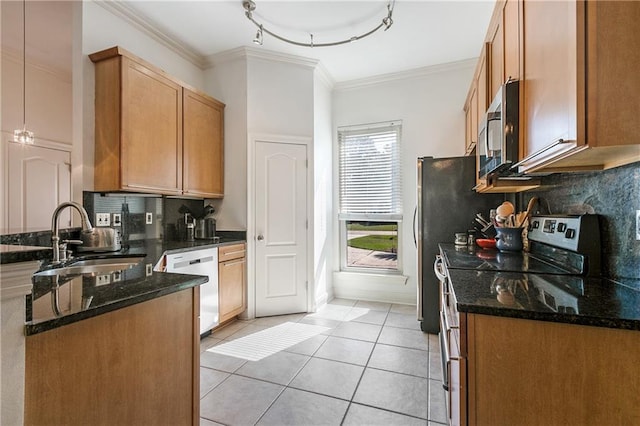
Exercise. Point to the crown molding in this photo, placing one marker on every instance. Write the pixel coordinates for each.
(121, 10)
(324, 77)
(258, 53)
(405, 75)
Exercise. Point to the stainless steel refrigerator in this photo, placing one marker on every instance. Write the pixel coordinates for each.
(446, 204)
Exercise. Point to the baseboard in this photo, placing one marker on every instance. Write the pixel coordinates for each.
(374, 288)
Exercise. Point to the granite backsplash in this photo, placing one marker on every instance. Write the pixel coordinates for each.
(613, 194)
(166, 213)
(133, 208)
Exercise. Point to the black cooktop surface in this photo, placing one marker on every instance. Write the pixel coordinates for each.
(464, 257)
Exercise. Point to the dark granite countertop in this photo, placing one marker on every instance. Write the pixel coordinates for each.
(79, 297)
(13, 253)
(569, 299)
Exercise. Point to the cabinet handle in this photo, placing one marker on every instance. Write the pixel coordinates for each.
(229, 253)
(537, 153)
(233, 263)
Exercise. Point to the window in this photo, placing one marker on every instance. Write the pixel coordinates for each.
(370, 196)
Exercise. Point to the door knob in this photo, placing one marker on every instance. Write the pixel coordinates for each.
(260, 237)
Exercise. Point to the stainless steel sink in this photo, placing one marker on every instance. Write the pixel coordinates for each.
(88, 266)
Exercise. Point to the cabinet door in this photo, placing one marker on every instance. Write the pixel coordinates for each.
(151, 141)
(203, 146)
(550, 77)
(482, 82)
(511, 22)
(496, 67)
(232, 288)
(482, 103)
(40, 180)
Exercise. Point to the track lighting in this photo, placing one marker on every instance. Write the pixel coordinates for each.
(250, 7)
(258, 38)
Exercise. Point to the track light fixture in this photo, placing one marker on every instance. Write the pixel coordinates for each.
(258, 37)
(250, 6)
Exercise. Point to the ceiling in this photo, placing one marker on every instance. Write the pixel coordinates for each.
(423, 33)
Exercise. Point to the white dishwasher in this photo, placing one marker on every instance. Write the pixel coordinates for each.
(200, 262)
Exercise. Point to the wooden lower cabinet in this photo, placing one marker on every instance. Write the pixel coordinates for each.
(138, 365)
(232, 283)
(529, 372)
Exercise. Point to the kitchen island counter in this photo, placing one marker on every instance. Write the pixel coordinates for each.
(88, 295)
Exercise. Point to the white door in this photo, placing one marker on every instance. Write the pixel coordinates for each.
(39, 180)
(281, 228)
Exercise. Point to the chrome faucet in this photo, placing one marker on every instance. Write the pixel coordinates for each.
(60, 249)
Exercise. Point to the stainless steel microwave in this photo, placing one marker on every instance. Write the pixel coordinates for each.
(497, 147)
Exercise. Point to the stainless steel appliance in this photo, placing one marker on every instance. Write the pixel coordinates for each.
(100, 239)
(446, 205)
(206, 227)
(200, 262)
(497, 147)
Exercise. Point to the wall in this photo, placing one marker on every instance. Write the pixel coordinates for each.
(322, 189)
(614, 195)
(227, 82)
(48, 106)
(429, 102)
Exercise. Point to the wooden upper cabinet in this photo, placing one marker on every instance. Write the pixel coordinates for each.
(496, 66)
(471, 120)
(504, 39)
(482, 94)
(550, 77)
(153, 134)
(581, 85)
(482, 81)
(203, 145)
(511, 33)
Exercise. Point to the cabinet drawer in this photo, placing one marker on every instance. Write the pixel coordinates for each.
(235, 251)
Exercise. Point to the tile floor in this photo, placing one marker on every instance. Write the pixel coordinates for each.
(351, 363)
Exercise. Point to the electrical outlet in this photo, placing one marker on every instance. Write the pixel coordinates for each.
(117, 219)
(149, 218)
(103, 279)
(117, 276)
(638, 225)
(103, 219)
(149, 269)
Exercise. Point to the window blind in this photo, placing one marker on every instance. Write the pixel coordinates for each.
(369, 169)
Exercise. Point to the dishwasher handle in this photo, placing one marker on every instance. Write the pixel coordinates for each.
(187, 263)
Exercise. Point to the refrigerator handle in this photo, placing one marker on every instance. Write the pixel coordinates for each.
(415, 217)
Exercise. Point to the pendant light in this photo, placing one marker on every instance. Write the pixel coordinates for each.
(23, 135)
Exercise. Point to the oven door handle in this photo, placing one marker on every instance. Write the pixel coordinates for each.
(438, 268)
(444, 353)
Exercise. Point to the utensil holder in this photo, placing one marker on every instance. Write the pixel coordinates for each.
(509, 239)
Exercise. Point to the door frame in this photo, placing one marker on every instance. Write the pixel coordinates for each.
(252, 140)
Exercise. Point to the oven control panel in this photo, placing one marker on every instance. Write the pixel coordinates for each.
(567, 232)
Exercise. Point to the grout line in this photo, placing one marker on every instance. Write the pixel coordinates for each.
(350, 401)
